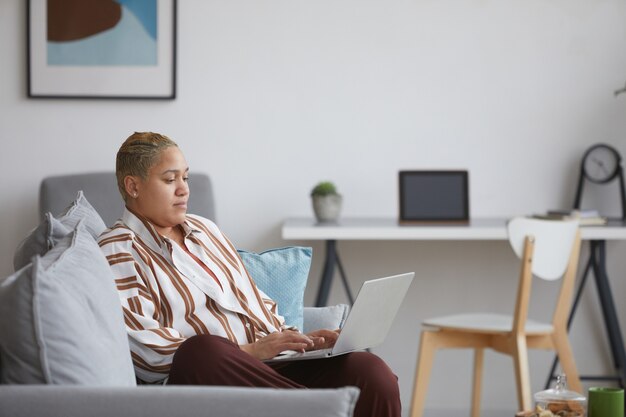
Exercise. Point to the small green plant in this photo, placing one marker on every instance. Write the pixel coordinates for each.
(324, 188)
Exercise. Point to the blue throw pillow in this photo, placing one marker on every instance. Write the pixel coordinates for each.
(281, 274)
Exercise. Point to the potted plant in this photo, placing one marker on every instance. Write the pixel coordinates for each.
(326, 202)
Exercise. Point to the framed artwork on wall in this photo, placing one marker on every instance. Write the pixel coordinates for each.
(113, 49)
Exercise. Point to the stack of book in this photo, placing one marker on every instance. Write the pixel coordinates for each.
(585, 217)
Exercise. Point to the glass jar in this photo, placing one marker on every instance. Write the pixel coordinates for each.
(559, 401)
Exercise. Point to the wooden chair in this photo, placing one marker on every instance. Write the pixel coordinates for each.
(547, 249)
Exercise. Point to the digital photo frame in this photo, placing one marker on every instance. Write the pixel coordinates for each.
(434, 196)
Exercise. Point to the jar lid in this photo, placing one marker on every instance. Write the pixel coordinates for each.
(559, 393)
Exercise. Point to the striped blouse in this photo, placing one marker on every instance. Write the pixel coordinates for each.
(169, 294)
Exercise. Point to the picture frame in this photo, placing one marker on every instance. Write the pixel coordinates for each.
(434, 196)
(125, 51)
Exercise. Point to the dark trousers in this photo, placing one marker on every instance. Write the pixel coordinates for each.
(214, 360)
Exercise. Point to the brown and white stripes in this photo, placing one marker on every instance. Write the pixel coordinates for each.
(169, 294)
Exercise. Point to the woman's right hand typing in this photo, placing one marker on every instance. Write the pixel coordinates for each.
(271, 345)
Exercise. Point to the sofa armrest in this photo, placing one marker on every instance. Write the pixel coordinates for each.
(330, 317)
(157, 401)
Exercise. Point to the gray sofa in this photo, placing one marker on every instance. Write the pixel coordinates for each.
(35, 382)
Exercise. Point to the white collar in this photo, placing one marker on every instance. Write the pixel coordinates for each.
(146, 231)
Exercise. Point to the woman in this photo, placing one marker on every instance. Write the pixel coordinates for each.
(193, 314)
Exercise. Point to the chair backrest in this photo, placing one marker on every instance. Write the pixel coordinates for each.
(100, 189)
(549, 249)
(553, 244)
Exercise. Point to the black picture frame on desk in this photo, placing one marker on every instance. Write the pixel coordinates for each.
(434, 196)
(123, 50)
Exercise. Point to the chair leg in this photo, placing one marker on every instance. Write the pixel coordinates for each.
(566, 359)
(479, 355)
(520, 359)
(422, 373)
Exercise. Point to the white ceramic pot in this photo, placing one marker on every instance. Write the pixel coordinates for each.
(327, 207)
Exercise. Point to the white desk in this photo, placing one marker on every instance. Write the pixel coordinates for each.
(388, 229)
(476, 230)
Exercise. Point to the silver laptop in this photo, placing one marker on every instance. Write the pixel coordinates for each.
(369, 320)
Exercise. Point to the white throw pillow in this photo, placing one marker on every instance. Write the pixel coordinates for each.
(61, 320)
(52, 229)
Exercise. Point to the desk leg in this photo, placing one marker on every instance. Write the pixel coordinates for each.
(327, 273)
(608, 308)
(597, 261)
(332, 259)
(344, 279)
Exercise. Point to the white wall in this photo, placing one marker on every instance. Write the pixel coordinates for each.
(274, 96)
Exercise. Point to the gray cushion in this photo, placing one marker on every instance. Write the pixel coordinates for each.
(39, 241)
(101, 190)
(188, 401)
(61, 320)
(45, 236)
(329, 317)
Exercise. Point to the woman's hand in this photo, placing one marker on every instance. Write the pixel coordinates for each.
(271, 345)
(323, 339)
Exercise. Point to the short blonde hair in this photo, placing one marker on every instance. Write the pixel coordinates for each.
(139, 153)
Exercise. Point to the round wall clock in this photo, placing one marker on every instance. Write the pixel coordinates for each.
(601, 163)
